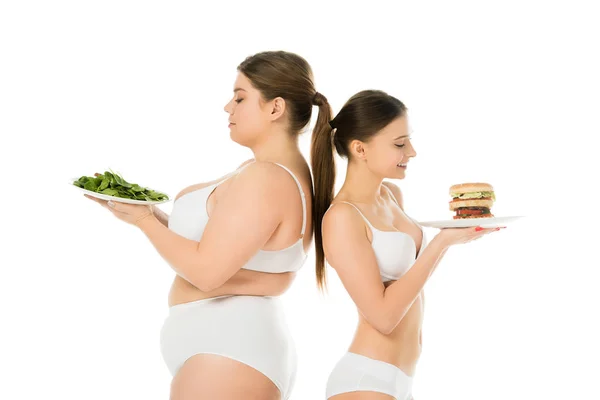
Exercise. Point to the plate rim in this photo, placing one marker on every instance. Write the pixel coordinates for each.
(476, 221)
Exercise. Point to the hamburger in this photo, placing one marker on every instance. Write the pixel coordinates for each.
(472, 200)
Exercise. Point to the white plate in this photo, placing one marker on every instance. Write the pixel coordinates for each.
(117, 199)
(491, 222)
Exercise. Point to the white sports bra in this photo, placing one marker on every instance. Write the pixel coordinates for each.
(189, 218)
(394, 250)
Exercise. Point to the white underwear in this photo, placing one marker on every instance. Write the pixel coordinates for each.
(357, 373)
(249, 329)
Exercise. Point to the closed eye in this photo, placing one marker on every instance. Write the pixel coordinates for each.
(399, 145)
(239, 101)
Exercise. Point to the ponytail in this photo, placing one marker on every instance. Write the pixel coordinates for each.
(323, 168)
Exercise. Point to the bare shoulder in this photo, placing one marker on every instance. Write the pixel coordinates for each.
(265, 172)
(345, 240)
(342, 219)
(396, 192)
(264, 179)
(198, 186)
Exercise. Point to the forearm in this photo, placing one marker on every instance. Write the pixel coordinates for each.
(435, 265)
(400, 295)
(161, 216)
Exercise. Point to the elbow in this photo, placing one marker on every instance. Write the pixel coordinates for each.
(382, 322)
(206, 282)
(387, 323)
(389, 316)
(199, 274)
(204, 286)
(385, 327)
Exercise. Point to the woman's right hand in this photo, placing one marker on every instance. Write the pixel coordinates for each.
(452, 236)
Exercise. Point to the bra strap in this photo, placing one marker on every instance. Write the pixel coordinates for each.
(391, 194)
(302, 196)
(360, 212)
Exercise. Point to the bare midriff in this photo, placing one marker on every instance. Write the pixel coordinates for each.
(402, 347)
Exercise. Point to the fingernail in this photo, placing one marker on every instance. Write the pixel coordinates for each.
(497, 229)
(110, 204)
(478, 229)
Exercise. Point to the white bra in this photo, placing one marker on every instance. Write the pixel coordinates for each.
(395, 251)
(189, 218)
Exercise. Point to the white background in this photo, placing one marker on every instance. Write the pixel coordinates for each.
(502, 92)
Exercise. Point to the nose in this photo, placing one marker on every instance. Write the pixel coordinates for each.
(411, 151)
(228, 109)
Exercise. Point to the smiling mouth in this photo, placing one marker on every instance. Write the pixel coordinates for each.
(402, 165)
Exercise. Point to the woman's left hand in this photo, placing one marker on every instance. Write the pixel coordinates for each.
(130, 213)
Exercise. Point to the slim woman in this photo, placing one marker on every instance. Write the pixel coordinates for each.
(380, 254)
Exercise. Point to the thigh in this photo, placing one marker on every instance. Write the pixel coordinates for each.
(362, 396)
(208, 376)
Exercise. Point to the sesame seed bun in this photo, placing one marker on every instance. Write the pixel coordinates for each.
(471, 187)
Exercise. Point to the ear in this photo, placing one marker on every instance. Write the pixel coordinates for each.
(276, 108)
(358, 149)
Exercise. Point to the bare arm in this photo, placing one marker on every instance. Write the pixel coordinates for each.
(253, 199)
(244, 282)
(161, 216)
(349, 251)
(249, 283)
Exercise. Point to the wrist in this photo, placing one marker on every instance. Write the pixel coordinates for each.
(439, 243)
(146, 221)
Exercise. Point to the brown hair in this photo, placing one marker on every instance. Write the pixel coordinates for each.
(361, 118)
(289, 76)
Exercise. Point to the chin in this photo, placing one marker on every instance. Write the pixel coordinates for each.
(392, 174)
(400, 173)
(242, 140)
(237, 138)
(234, 138)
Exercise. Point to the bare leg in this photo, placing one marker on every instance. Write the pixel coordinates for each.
(208, 376)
